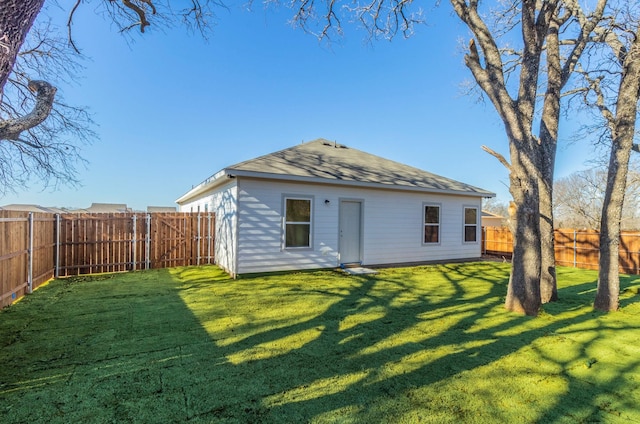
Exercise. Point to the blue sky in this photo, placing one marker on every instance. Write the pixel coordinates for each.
(173, 109)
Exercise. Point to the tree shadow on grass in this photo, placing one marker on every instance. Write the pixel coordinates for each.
(396, 350)
(425, 343)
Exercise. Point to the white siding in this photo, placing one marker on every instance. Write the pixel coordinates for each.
(392, 223)
(223, 202)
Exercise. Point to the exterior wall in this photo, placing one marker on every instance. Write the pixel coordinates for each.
(492, 221)
(223, 202)
(393, 226)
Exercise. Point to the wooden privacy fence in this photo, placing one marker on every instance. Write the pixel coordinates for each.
(35, 247)
(574, 248)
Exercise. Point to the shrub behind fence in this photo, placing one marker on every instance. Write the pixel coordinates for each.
(35, 247)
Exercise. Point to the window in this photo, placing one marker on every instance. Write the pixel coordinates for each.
(470, 225)
(297, 231)
(431, 224)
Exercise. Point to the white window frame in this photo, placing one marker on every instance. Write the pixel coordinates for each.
(465, 225)
(285, 222)
(425, 224)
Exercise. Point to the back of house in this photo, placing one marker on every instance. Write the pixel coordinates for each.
(323, 205)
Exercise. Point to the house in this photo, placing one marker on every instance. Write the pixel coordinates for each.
(321, 205)
(154, 209)
(107, 208)
(32, 208)
(492, 220)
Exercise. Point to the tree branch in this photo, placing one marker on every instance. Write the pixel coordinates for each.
(498, 156)
(70, 23)
(11, 129)
(141, 13)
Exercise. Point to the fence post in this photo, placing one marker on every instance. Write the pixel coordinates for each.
(575, 250)
(209, 240)
(133, 246)
(147, 248)
(484, 240)
(198, 242)
(57, 265)
(30, 254)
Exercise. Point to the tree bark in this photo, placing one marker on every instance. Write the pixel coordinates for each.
(523, 292)
(623, 130)
(16, 19)
(547, 157)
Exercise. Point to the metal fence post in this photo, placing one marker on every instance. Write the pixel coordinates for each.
(209, 240)
(198, 242)
(147, 249)
(30, 254)
(133, 246)
(57, 264)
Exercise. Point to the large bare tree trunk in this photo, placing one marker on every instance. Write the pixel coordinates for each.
(548, 281)
(623, 127)
(523, 292)
(16, 19)
(547, 157)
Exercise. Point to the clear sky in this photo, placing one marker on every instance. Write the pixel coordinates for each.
(173, 109)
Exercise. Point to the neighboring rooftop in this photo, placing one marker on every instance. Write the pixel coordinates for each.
(161, 209)
(105, 208)
(32, 208)
(94, 208)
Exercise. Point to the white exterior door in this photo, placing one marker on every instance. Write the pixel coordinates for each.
(350, 231)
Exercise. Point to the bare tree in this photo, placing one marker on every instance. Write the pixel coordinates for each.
(40, 134)
(614, 89)
(550, 38)
(50, 150)
(495, 206)
(579, 199)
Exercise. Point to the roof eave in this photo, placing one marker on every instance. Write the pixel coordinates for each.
(212, 182)
(320, 180)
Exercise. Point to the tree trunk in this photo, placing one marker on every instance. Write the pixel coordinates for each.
(548, 281)
(523, 293)
(623, 131)
(547, 156)
(16, 19)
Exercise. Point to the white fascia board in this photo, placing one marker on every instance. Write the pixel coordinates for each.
(208, 184)
(317, 180)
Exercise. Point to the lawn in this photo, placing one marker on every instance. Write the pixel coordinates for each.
(421, 344)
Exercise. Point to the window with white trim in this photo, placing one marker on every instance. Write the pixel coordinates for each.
(470, 225)
(431, 224)
(297, 223)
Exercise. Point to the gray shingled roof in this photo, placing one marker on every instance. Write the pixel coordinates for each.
(326, 160)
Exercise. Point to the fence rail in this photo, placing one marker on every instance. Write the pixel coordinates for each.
(35, 247)
(574, 248)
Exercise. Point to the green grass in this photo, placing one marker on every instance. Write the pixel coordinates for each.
(422, 344)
